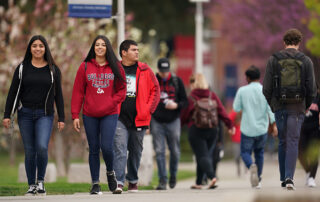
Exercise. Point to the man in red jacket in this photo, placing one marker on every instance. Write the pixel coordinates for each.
(143, 95)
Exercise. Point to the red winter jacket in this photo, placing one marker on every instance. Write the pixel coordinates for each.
(186, 114)
(94, 87)
(148, 94)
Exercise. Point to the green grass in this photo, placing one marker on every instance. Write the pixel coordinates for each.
(9, 185)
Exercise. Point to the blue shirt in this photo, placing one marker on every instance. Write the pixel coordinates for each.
(255, 110)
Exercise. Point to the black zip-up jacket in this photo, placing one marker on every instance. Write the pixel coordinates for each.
(54, 94)
(310, 85)
(168, 90)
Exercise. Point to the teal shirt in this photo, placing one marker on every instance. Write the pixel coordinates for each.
(255, 110)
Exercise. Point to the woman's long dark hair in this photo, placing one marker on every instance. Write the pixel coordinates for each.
(47, 54)
(110, 57)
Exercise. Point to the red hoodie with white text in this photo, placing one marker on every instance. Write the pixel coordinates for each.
(94, 88)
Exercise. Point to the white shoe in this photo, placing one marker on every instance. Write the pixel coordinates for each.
(258, 186)
(307, 178)
(311, 182)
(254, 175)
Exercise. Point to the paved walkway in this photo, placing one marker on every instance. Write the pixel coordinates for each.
(230, 188)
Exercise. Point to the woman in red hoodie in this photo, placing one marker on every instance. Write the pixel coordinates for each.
(101, 88)
(202, 139)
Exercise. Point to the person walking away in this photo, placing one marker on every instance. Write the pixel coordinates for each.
(289, 87)
(100, 87)
(165, 123)
(236, 139)
(255, 115)
(143, 94)
(309, 143)
(35, 87)
(202, 133)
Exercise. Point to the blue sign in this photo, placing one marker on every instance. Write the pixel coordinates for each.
(90, 8)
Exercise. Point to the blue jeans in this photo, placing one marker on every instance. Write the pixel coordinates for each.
(35, 129)
(100, 135)
(255, 144)
(170, 133)
(131, 140)
(289, 126)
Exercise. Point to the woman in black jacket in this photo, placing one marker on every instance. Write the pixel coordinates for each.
(35, 86)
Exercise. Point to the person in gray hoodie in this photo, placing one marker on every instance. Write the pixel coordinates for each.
(289, 95)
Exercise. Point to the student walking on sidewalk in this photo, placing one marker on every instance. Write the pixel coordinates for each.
(142, 98)
(35, 87)
(202, 139)
(289, 87)
(100, 87)
(165, 123)
(256, 113)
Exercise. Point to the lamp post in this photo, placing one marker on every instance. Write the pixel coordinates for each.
(199, 34)
(121, 22)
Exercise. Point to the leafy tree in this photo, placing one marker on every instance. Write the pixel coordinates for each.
(256, 27)
(313, 43)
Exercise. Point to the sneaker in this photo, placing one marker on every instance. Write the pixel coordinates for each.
(254, 179)
(290, 184)
(172, 182)
(133, 187)
(32, 190)
(258, 186)
(283, 184)
(307, 178)
(162, 186)
(311, 182)
(95, 189)
(118, 190)
(40, 188)
(112, 180)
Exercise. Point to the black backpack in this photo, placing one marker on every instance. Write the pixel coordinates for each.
(289, 78)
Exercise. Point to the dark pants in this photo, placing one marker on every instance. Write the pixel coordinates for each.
(35, 129)
(309, 149)
(100, 134)
(289, 127)
(201, 141)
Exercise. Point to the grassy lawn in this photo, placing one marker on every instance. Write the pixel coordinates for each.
(9, 185)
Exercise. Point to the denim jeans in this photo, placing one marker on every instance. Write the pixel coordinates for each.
(131, 140)
(100, 135)
(35, 129)
(170, 133)
(256, 145)
(289, 126)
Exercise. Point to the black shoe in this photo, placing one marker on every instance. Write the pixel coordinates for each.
(32, 190)
(95, 189)
(172, 182)
(40, 188)
(290, 184)
(162, 186)
(283, 184)
(112, 180)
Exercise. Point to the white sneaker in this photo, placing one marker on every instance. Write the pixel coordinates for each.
(254, 175)
(258, 186)
(307, 178)
(311, 182)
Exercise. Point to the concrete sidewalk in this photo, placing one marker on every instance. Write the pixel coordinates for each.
(230, 188)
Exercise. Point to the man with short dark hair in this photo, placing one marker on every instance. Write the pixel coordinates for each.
(165, 123)
(289, 87)
(256, 114)
(143, 94)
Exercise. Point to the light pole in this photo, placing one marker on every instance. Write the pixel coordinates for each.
(121, 22)
(199, 35)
